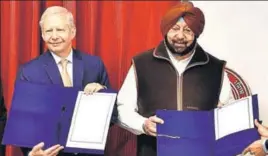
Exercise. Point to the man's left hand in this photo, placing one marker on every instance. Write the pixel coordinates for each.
(93, 87)
(256, 148)
(263, 131)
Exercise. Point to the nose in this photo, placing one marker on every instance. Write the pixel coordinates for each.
(54, 35)
(179, 35)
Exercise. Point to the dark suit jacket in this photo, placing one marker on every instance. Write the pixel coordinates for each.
(2, 119)
(86, 69)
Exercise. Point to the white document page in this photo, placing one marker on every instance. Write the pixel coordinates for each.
(91, 121)
(234, 117)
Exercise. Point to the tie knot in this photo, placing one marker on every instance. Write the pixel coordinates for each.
(64, 62)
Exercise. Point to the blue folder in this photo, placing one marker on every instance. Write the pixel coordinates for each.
(42, 113)
(192, 133)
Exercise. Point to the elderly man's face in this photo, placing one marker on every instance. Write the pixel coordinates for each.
(57, 33)
(180, 36)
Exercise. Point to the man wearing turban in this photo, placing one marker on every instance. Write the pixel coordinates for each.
(176, 75)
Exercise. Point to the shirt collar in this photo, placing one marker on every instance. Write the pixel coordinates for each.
(58, 59)
(172, 58)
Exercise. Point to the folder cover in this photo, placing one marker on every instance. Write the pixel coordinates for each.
(193, 133)
(42, 113)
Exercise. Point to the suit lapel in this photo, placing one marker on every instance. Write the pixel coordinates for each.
(52, 69)
(78, 69)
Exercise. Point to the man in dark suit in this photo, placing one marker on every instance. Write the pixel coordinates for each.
(62, 65)
(2, 119)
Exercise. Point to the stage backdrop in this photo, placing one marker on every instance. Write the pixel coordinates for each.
(237, 32)
(118, 30)
(113, 30)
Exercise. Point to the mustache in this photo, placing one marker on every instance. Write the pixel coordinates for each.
(179, 41)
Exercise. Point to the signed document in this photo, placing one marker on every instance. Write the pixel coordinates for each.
(91, 120)
(225, 121)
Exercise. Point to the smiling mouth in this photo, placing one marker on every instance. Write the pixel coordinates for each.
(55, 44)
(179, 45)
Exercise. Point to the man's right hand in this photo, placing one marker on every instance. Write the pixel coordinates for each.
(91, 88)
(38, 151)
(149, 125)
(255, 148)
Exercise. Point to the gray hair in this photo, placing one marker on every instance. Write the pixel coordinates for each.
(57, 10)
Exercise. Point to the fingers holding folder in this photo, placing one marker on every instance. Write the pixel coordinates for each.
(91, 88)
(38, 150)
(256, 148)
(262, 129)
(149, 125)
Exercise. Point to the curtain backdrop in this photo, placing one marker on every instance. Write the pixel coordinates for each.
(113, 30)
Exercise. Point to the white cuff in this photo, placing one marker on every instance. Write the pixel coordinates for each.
(264, 146)
(134, 125)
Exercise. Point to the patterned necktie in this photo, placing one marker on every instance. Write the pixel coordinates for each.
(64, 74)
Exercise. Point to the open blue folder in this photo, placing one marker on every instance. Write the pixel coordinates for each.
(192, 133)
(42, 113)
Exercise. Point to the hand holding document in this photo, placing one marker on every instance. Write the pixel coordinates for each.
(220, 132)
(57, 115)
